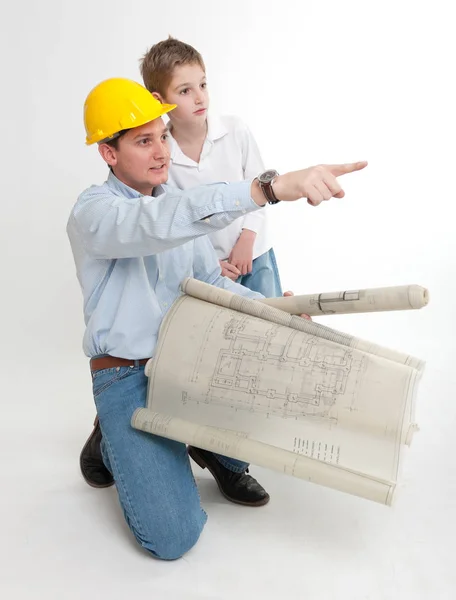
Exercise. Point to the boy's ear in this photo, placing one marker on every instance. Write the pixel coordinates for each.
(158, 97)
(108, 154)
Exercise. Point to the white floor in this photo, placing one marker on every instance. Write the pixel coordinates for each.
(63, 539)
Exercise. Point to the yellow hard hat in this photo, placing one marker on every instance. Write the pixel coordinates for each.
(117, 104)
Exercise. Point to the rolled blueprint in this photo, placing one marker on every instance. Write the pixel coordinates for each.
(403, 297)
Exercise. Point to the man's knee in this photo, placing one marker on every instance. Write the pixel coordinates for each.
(175, 538)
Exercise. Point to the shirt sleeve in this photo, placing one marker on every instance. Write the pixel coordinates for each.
(113, 226)
(206, 267)
(252, 165)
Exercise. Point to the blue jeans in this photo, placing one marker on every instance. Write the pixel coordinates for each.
(156, 487)
(264, 277)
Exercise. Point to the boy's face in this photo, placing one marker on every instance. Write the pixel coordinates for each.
(142, 157)
(188, 89)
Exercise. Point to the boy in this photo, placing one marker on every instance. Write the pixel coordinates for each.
(134, 240)
(206, 149)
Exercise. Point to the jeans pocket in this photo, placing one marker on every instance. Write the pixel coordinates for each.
(104, 378)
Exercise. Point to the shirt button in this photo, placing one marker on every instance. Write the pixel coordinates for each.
(237, 203)
(207, 220)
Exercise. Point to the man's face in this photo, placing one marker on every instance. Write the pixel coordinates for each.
(188, 89)
(142, 157)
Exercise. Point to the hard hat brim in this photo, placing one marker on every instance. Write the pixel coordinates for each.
(138, 122)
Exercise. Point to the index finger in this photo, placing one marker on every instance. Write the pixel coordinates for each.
(338, 170)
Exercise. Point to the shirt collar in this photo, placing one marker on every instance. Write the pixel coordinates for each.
(215, 131)
(126, 191)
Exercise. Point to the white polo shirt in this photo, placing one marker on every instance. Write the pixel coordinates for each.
(229, 154)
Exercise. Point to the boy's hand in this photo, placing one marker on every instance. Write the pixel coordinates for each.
(229, 270)
(242, 254)
(304, 316)
(315, 183)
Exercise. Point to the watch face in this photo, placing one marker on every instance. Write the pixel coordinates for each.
(267, 176)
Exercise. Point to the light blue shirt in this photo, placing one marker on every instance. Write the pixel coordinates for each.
(132, 252)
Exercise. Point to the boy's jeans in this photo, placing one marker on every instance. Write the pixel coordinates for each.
(156, 488)
(264, 277)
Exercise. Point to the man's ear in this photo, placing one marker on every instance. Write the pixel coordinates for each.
(158, 97)
(108, 154)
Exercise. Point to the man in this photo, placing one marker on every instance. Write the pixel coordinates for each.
(134, 240)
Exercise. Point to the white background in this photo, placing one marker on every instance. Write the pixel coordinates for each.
(324, 81)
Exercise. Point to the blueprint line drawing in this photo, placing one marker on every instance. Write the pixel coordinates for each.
(284, 378)
(240, 378)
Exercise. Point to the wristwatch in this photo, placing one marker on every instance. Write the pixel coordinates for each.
(265, 181)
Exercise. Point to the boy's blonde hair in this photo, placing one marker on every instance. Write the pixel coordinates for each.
(158, 64)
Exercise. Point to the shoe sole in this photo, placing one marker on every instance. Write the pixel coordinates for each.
(200, 462)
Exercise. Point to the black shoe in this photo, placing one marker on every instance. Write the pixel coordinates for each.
(91, 462)
(240, 488)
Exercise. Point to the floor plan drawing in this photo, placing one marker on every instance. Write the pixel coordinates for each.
(263, 369)
(253, 382)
